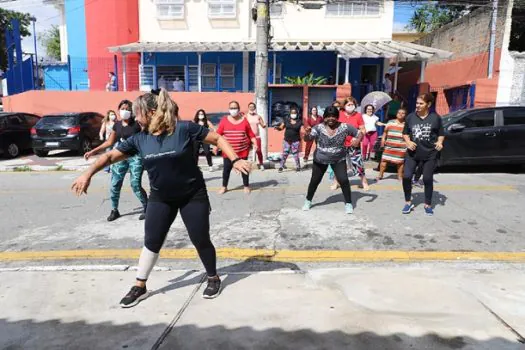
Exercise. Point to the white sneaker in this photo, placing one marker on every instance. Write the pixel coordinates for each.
(210, 169)
(261, 167)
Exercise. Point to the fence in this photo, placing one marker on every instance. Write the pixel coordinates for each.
(452, 99)
(92, 73)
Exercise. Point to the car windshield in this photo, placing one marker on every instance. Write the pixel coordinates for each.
(62, 120)
(452, 117)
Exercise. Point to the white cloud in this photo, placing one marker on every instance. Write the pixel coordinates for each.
(46, 16)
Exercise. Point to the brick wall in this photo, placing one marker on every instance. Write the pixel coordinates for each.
(469, 35)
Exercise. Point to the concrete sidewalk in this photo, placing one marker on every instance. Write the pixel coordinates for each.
(403, 307)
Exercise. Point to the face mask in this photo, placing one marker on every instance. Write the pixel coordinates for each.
(112, 117)
(125, 114)
(201, 117)
(293, 116)
(349, 109)
(234, 112)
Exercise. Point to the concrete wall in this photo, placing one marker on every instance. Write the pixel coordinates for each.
(468, 36)
(46, 102)
(296, 23)
(517, 96)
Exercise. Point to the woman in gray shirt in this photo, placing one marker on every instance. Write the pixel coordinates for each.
(330, 150)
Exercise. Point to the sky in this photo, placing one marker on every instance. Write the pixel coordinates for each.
(48, 15)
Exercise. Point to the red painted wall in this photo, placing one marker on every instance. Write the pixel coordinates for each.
(47, 102)
(111, 23)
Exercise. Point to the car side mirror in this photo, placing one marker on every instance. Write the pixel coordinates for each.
(457, 127)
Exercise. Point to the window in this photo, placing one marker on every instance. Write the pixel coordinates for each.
(31, 120)
(170, 9)
(482, 119)
(276, 10)
(209, 76)
(15, 120)
(514, 116)
(228, 76)
(222, 8)
(171, 78)
(353, 8)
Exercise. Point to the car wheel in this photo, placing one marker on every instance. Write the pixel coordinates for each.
(40, 152)
(12, 150)
(85, 146)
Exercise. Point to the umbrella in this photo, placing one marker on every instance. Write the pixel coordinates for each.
(376, 98)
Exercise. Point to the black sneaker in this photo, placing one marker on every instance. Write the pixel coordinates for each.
(142, 216)
(114, 215)
(280, 170)
(298, 169)
(134, 296)
(213, 289)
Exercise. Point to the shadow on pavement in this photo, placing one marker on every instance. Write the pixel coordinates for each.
(55, 334)
(234, 273)
(338, 198)
(438, 198)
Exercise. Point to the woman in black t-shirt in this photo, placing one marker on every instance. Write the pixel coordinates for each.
(292, 139)
(123, 129)
(176, 182)
(424, 136)
(201, 119)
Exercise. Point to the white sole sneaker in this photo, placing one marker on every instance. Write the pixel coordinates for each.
(138, 300)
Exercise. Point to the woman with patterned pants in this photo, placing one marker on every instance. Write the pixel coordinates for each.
(123, 129)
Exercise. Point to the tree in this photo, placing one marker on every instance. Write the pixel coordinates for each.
(50, 39)
(431, 16)
(5, 22)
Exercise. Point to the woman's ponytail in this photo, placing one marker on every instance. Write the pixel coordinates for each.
(166, 115)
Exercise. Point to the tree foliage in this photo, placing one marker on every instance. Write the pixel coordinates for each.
(5, 22)
(51, 41)
(432, 15)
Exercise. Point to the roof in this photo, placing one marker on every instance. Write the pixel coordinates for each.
(347, 49)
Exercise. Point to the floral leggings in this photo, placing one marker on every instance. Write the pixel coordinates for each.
(293, 148)
(118, 173)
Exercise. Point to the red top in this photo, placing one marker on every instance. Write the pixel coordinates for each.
(355, 119)
(237, 135)
(311, 123)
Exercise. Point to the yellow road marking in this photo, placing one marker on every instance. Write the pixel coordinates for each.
(266, 254)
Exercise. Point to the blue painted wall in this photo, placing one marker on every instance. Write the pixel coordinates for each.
(56, 77)
(297, 63)
(77, 44)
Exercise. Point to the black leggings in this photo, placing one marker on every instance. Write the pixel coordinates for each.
(318, 171)
(195, 213)
(207, 152)
(427, 167)
(227, 169)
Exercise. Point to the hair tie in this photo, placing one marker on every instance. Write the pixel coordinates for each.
(155, 92)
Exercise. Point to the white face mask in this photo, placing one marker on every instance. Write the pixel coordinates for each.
(350, 109)
(125, 114)
(234, 112)
(201, 117)
(293, 116)
(112, 117)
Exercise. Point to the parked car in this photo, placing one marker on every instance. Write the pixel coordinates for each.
(15, 133)
(484, 136)
(67, 131)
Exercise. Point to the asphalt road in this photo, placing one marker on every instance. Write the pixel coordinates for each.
(473, 212)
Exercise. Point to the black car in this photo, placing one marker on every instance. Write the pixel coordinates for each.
(67, 131)
(15, 133)
(484, 136)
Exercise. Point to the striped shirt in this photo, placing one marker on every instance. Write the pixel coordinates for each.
(238, 135)
(395, 147)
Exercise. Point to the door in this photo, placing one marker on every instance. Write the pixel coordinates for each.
(193, 78)
(18, 131)
(476, 143)
(513, 133)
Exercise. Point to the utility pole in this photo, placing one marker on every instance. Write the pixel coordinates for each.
(261, 69)
(493, 37)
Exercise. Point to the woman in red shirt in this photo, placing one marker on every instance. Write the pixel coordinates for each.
(353, 148)
(237, 131)
(312, 120)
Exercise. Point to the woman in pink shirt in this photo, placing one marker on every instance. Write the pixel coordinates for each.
(255, 121)
(237, 131)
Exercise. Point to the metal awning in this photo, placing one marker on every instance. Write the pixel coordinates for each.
(347, 49)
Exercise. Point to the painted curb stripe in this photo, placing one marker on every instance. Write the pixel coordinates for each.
(270, 255)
